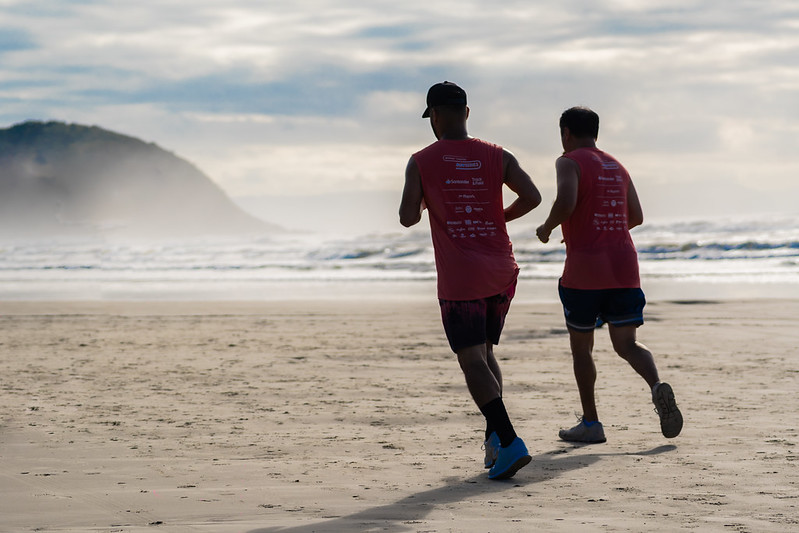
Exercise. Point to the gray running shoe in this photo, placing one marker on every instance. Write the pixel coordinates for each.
(491, 446)
(666, 408)
(593, 434)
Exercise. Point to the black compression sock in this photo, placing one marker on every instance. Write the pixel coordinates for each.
(497, 418)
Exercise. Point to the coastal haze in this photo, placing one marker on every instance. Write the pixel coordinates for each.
(281, 102)
(254, 144)
(67, 181)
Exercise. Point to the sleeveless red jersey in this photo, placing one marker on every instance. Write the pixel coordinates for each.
(462, 183)
(600, 253)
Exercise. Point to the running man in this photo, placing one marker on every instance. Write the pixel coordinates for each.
(459, 180)
(596, 206)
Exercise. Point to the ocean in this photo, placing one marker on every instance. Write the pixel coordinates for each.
(713, 257)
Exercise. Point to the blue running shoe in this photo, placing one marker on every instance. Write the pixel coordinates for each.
(510, 460)
(491, 446)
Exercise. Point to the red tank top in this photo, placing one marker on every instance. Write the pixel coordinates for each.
(600, 253)
(462, 183)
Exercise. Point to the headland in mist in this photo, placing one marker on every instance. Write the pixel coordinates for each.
(70, 180)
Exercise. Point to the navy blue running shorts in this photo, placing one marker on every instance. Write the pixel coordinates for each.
(584, 309)
(474, 322)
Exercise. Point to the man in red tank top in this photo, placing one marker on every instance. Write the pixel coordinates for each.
(459, 180)
(596, 205)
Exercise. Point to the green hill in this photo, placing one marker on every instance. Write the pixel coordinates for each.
(67, 179)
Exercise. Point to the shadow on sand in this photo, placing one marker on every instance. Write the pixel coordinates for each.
(400, 515)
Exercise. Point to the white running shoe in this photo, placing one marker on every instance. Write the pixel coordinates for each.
(593, 434)
(491, 446)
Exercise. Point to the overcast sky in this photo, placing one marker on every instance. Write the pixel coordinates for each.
(699, 99)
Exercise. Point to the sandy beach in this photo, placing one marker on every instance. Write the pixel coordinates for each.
(313, 415)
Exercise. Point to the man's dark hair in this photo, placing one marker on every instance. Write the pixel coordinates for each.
(581, 121)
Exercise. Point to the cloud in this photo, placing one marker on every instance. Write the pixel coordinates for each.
(15, 39)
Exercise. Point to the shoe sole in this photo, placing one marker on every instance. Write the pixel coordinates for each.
(582, 441)
(671, 417)
(515, 467)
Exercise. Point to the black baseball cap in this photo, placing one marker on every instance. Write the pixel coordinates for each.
(444, 93)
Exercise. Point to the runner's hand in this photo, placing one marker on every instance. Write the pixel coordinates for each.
(543, 233)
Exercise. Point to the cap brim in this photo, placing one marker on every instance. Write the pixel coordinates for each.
(426, 113)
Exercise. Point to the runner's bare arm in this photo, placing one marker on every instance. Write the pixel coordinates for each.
(635, 214)
(411, 207)
(519, 182)
(568, 178)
